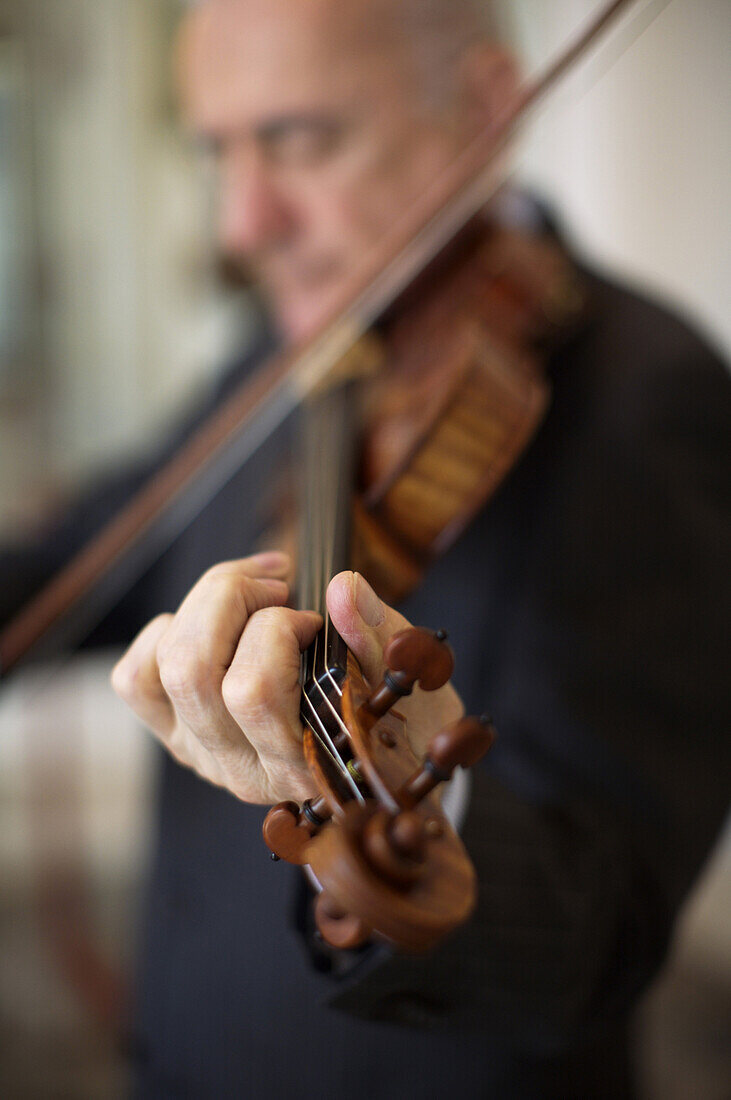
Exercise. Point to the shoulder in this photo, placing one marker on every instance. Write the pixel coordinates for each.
(632, 470)
(640, 368)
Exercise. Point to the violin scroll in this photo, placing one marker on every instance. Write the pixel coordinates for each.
(389, 863)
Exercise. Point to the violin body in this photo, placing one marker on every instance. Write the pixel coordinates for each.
(461, 393)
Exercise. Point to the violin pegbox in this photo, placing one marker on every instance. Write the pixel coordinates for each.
(389, 863)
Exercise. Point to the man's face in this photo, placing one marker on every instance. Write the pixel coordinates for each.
(322, 136)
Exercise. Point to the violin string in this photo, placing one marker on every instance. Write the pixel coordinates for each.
(341, 765)
(320, 732)
(324, 444)
(332, 515)
(316, 448)
(336, 443)
(324, 557)
(326, 742)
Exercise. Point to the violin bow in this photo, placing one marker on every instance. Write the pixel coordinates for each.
(62, 610)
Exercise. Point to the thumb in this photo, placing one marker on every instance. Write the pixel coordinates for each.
(364, 622)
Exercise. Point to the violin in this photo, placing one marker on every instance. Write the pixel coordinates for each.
(472, 310)
(386, 859)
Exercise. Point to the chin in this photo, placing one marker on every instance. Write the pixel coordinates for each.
(300, 320)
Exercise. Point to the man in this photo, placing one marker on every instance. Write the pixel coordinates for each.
(585, 606)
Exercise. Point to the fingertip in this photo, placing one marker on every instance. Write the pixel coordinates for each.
(313, 617)
(342, 605)
(264, 592)
(271, 561)
(277, 591)
(341, 592)
(309, 623)
(351, 599)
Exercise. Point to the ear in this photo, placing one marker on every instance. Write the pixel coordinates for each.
(490, 79)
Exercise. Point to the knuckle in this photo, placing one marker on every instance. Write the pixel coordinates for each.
(223, 574)
(248, 694)
(164, 650)
(162, 620)
(228, 586)
(135, 672)
(273, 622)
(217, 571)
(124, 677)
(183, 674)
(237, 693)
(157, 628)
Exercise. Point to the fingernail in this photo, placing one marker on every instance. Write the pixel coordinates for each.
(370, 608)
(271, 559)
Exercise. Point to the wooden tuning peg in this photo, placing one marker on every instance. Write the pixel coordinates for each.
(288, 829)
(412, 655)
(395, 846)
(462, 744)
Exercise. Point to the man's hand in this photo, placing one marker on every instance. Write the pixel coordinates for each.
(218, 682)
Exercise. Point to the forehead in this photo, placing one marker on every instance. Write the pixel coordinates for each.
(239, 59)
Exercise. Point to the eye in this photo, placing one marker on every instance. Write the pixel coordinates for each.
(302, 141)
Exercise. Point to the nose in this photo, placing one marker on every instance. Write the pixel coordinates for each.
(254, 213)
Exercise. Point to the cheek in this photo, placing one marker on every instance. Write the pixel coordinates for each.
(356, 211)
(349, 206)
(369, 201)
(342, 217)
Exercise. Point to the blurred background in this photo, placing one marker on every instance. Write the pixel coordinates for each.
(114, 313)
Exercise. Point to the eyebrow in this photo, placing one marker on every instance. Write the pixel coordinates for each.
(271, 130)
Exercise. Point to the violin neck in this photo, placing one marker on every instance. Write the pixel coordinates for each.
(327, 474)
(328, 444)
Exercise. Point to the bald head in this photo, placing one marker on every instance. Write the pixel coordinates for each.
(425, 39)
(328, 118)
